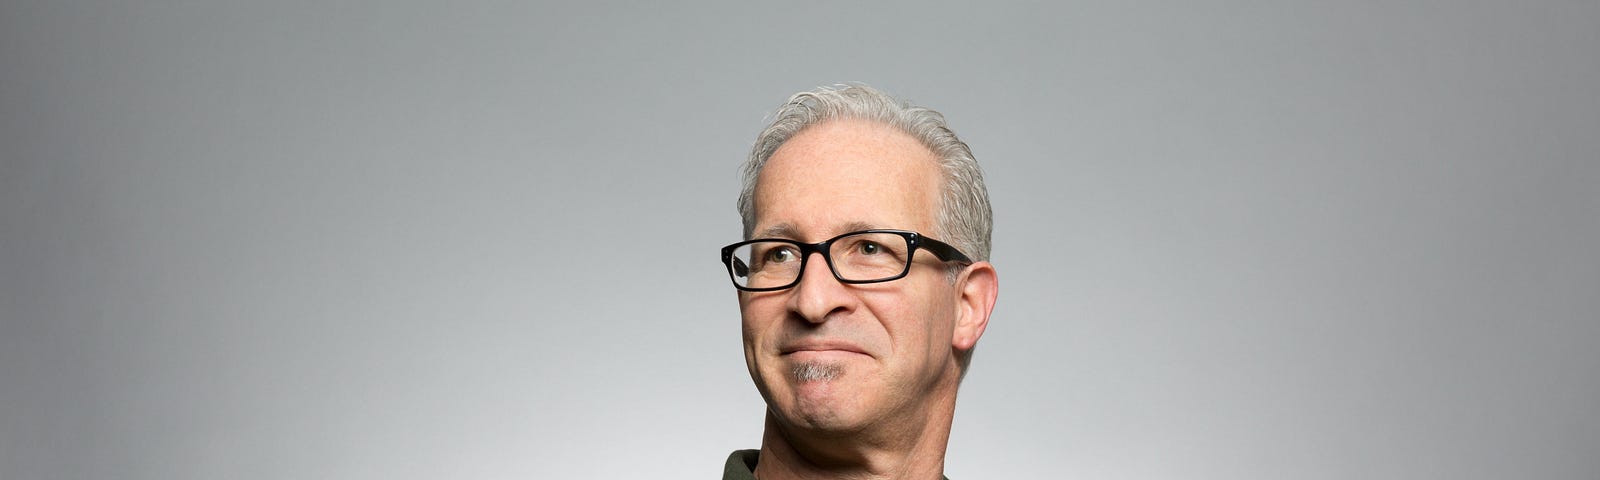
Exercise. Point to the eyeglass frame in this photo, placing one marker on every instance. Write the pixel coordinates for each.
(914, 241)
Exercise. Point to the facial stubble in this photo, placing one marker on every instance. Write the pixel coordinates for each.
(816, 372)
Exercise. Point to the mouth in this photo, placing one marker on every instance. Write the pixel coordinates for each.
(821, 348)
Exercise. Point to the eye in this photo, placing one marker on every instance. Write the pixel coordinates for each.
(870, 248)
(780, 255)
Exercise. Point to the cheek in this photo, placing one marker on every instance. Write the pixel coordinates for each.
(757, 314)
(903, 323)
(917, 324)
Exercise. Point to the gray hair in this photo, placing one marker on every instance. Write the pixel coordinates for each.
(964, 218)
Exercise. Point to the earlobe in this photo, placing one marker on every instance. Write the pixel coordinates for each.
(978, 288)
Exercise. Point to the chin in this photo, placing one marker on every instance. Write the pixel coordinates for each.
(825, 406)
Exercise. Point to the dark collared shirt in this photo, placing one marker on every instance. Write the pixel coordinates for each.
(741, 465)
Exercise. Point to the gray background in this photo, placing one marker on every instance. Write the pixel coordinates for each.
(1236, 240)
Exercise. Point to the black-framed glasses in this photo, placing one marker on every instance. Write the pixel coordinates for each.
(867, 256)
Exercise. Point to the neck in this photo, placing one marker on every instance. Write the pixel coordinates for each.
(913, 448)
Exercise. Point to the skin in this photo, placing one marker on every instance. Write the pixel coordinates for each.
(887, 414)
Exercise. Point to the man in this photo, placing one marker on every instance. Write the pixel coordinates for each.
(864, 287)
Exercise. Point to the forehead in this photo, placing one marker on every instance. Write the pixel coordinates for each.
(843, 174)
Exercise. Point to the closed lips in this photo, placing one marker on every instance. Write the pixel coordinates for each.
(822, 347)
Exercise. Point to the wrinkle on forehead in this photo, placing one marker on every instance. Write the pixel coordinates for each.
(789, 231)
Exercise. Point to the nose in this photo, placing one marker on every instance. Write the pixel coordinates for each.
(819, 295)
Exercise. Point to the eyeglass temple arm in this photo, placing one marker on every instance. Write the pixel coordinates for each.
(942, 250)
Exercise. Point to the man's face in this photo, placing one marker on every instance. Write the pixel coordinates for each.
(836, 357)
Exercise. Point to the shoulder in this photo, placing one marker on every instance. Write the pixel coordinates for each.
(741, 465)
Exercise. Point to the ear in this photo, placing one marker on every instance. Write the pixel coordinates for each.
(978, 288)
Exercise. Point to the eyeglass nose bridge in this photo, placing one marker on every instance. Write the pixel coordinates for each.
(824, 249)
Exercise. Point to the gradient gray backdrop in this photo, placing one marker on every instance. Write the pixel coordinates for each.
(1301, 240)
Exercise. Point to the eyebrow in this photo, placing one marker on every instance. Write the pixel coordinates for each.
(782, 230)
(789, 231)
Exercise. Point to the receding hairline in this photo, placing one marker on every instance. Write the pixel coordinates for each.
(930, 163)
